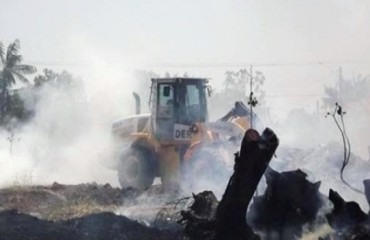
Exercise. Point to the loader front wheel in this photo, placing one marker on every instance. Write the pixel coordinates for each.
(136, 169)
(206, 169)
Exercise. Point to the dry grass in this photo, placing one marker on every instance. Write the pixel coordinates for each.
(61, 203)
(23, 180)
(321, 231)
(73, 209)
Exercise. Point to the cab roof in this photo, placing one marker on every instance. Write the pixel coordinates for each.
(179, 78)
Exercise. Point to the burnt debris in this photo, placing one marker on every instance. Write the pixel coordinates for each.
(289, 202)
(344, 214)
(367, 190)
(347, 218)
(229, 219)
(199, 219)
(16, 226)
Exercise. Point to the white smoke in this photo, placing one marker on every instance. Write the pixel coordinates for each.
(68, 139)
(314, 144)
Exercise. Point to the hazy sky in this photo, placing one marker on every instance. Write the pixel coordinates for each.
(204, 38)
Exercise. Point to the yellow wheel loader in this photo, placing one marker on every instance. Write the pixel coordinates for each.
(175, 135)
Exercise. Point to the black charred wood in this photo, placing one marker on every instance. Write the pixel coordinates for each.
(289, 202)
(199, 220)
(344, 214)
(207, 219)
(255, 154)
(367, 190)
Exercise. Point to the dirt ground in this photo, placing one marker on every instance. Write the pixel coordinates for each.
(84, 211)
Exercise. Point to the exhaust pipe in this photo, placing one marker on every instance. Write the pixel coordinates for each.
(137, 103)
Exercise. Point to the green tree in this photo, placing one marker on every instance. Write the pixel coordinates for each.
(11, 71)
(348, 91)
(49, 76)
(237, 84)
(230, 80)
(236, 87)
(12, 68)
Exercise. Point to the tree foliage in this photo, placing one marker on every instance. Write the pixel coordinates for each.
(347, 91)
(21, 103)
(12, 68)
(51, 78)
(11, 71)
(238, 82)
(236, 87)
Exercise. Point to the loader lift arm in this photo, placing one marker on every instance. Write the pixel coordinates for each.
(239, 110)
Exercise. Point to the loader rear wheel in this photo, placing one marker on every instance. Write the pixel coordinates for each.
(136, 169)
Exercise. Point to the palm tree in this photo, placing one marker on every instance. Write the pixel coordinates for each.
(11, 70)
(11, 67)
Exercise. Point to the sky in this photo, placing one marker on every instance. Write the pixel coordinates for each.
(298, 45)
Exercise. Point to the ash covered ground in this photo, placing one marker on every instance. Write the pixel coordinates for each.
(97, 211)
(84, 211)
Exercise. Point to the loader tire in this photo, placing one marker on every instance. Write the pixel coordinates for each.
(206, 168)
(136, 169)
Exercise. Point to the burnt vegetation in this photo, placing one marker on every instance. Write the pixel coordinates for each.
(289, 206)
(289, 202)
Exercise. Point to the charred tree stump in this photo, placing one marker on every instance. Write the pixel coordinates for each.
(255, 154)
(367, 190)
(206, 219)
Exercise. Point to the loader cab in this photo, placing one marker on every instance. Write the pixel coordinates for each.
(176, 104)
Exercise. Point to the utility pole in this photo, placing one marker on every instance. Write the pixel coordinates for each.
(252, 102)
(340, 85)
(11, 140)
(251, 94)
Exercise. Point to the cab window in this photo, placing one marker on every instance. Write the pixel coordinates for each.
(166, 100)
